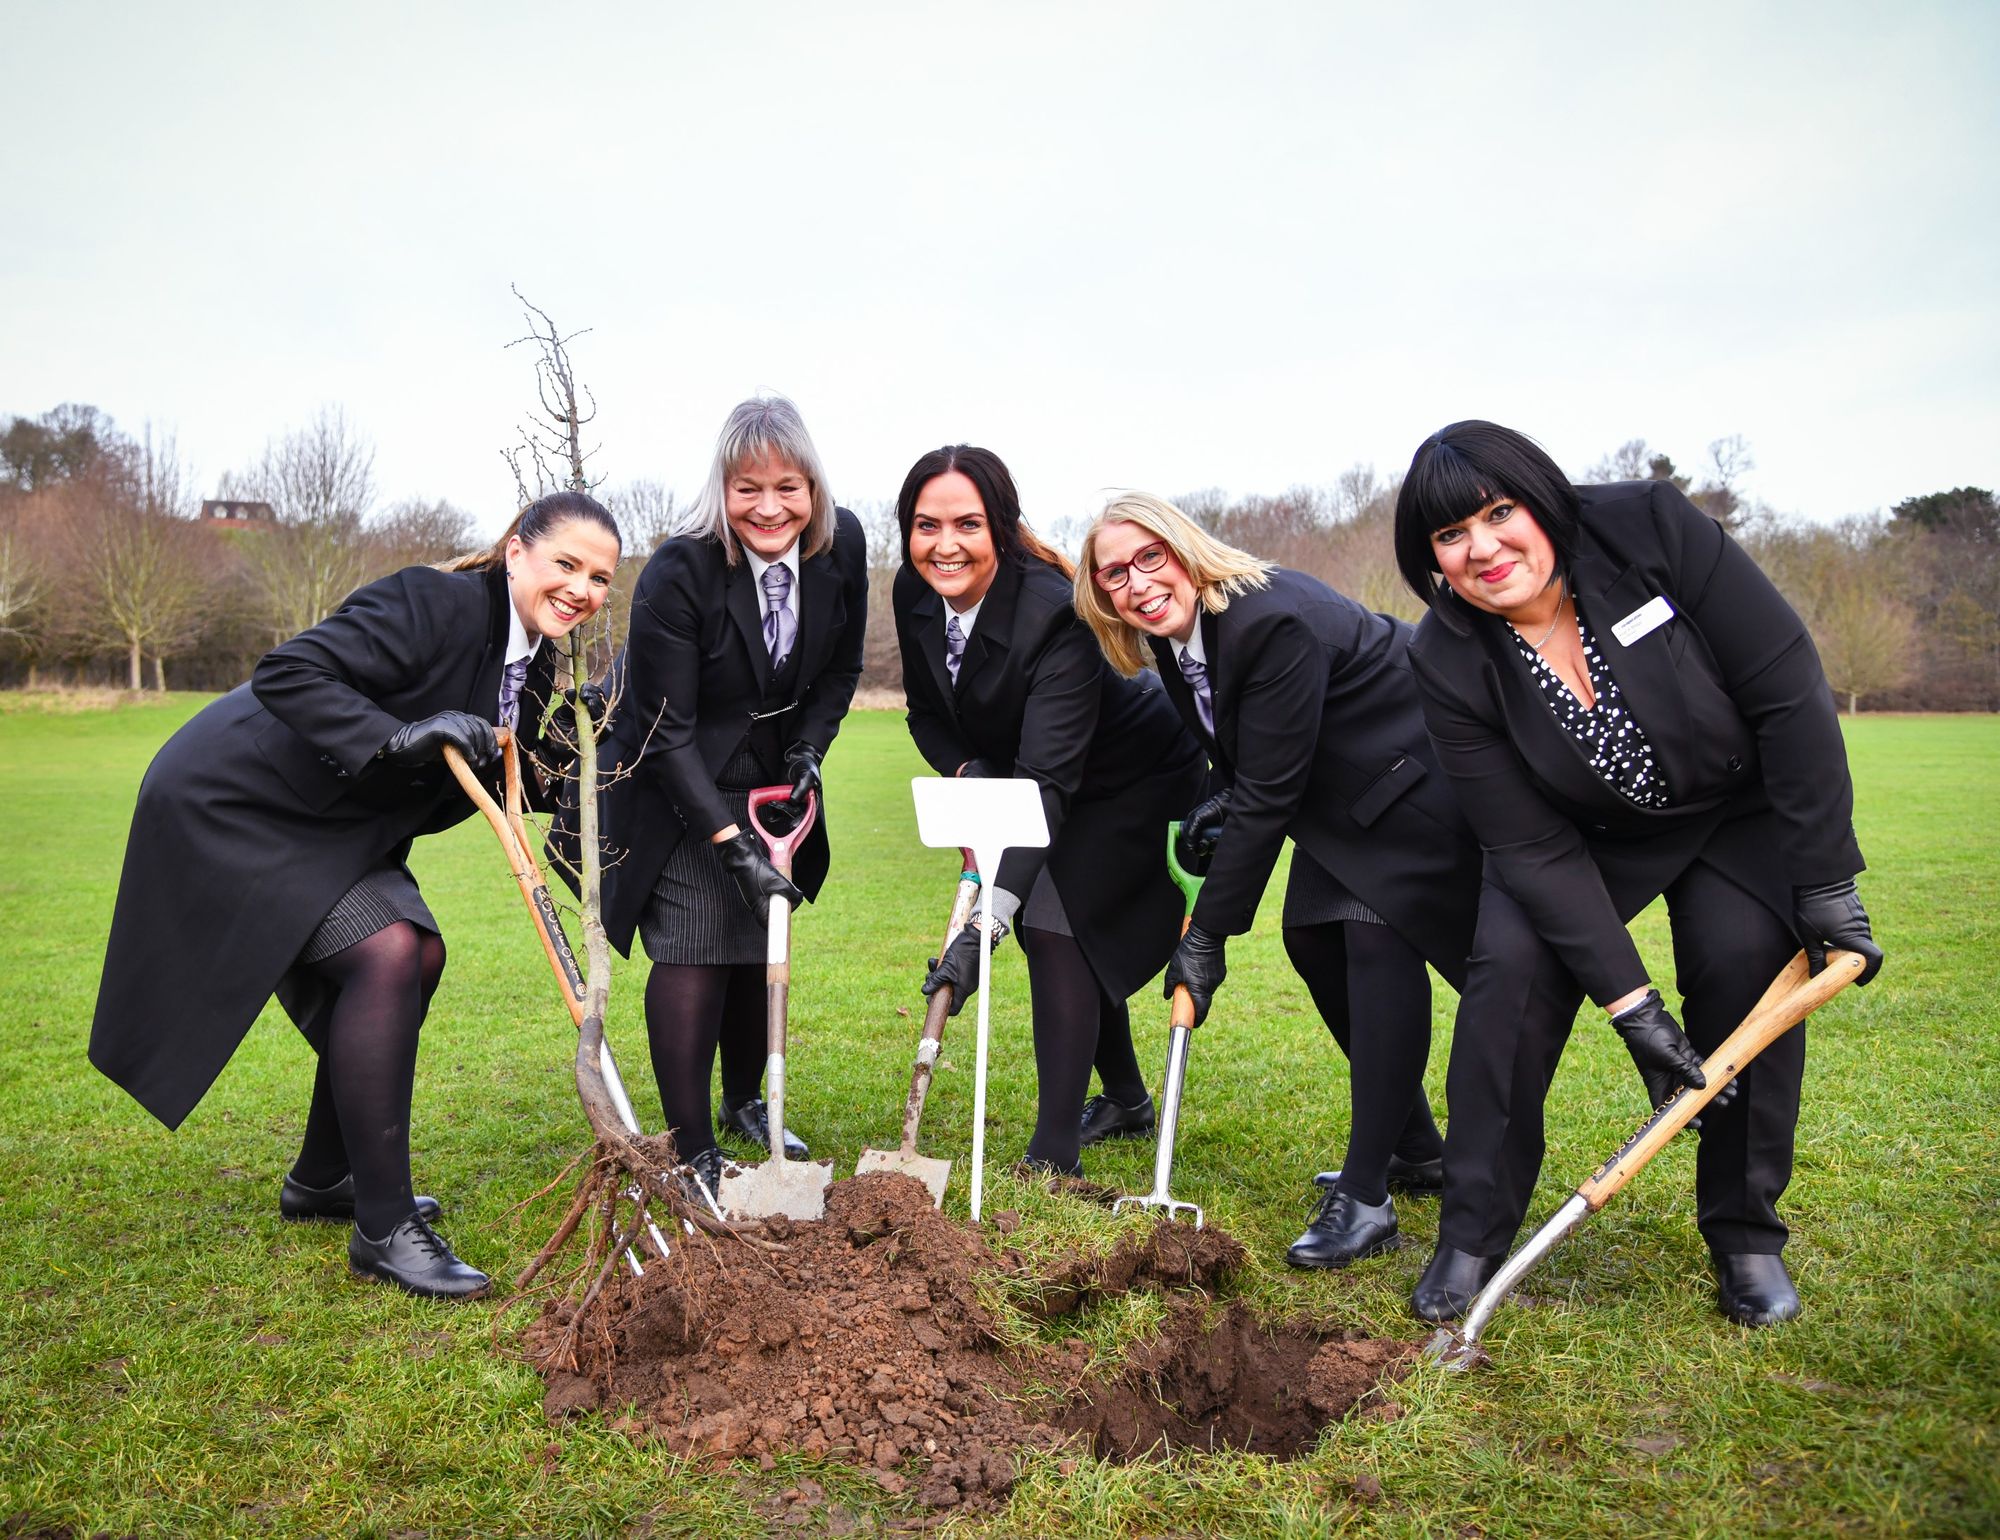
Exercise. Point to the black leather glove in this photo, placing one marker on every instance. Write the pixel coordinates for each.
(1666, 1059)
(1198, 963)
(422, 743)
(1831, 916)
(802, 770)
(562, 721)
(757, 880)
(959, 967)
(1194, 844)
(975, 770)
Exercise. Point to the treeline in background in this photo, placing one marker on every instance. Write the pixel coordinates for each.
(110, 575)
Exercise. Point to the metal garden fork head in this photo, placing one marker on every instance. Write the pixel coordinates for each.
(1180, 1036)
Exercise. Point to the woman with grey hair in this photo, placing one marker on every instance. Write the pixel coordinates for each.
(744, 651)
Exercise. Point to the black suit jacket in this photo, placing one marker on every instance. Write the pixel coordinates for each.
(1035, 698)
(1730, 694)
(264, 809)
(696, 672)
(1317, 728)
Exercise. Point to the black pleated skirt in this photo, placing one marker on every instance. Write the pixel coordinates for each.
(377, 901)
(694, 915)
(1314, 896)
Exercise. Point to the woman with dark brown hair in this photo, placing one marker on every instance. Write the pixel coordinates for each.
(268, 854)
(1002, 679)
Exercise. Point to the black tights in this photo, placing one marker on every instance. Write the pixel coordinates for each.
(1367, 974)
(1076, 1024)
(689, 1008)
(366, 1038)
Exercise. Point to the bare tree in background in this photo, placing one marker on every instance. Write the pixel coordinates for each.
(1719, 494)
(415, 532)
(320, 483)
(143, 570)
(646, 513)
(22, 576)
(1850, 583)
(1630, 461)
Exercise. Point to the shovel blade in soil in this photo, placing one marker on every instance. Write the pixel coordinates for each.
(794, 1188)
(931, 1172)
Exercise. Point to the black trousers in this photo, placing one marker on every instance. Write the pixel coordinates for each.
(1515, 1017)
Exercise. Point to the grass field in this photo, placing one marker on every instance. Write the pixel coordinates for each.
(178, 1361)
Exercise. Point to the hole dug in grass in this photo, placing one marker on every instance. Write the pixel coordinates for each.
(865, 1341)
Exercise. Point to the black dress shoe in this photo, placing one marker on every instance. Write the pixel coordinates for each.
(1450, 1282)
(1753, 1288)
(707, 1165)
(1345, 1231)
(1104, 1118)
(298, 1201)
(1419, 1178)
(752, 1121)
(415, 1258)
(1033, 1166)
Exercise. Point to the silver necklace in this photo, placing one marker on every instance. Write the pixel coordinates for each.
(1561, 600)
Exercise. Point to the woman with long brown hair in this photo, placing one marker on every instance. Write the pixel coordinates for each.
(268, 854)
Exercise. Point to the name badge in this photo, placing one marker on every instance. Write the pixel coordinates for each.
(1649, 616)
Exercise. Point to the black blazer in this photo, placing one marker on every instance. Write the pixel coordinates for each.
(1317, 728)
(696, 673)
(264, 809)
(1035, 698)
(1729, 692)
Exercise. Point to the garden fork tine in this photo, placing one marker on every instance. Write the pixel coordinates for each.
(1180, 1036)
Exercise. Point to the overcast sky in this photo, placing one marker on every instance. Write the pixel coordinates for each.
(1154, 245)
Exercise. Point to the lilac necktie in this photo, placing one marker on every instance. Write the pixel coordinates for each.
(781, 627)
(1196, 673)
(954, 645)
(512, 677)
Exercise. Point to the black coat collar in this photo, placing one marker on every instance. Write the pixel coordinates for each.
(991, 640)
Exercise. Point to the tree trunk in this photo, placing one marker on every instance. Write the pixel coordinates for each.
(1853, 703)
(159, 673)
(34, 676)
(138, 670)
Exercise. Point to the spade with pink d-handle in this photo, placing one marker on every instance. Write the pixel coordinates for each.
(988, 817)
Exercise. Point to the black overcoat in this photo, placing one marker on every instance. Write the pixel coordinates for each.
(696, 674)
(1317, 727)
(1730, 693)
(269, 805)
(1035, 698)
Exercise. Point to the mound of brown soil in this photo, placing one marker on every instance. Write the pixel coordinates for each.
(864, 1341)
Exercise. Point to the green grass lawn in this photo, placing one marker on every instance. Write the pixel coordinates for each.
(178, 1361)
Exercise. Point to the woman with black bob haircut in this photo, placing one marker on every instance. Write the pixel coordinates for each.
(1627, 708)
(268, 855)
(742, 657)
(1002, 679)
(1304, 702)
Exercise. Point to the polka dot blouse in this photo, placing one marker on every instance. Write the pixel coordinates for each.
(1609, 735)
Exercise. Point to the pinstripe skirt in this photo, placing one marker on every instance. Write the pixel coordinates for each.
(377, 901)
(1314, 896)
(695, 915)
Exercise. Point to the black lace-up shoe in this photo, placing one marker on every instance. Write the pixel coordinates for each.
(752, 1121)
(705, 1166)
(1345, 1231)
(1419, 1178)
(1450, 1283)
(1753, 1288)
(415, 1258)
(1032, 1167)
(1104, 1119)
(298, 1201)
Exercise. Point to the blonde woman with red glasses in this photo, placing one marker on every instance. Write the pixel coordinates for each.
(1304, 702)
